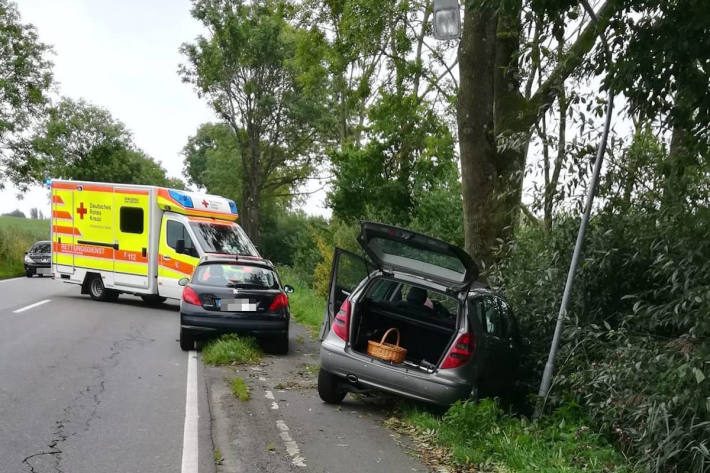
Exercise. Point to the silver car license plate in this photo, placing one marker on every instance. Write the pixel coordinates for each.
(237, 305)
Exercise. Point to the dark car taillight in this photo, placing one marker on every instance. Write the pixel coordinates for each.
(461, 351)
(190, 296)
(341, 324)
(279, 302)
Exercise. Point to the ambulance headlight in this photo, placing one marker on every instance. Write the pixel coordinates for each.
(182, 199)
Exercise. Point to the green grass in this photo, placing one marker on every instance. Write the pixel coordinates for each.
(16, 237)
(482, 435)
(306, 307)
(240, 389)
(231, 349)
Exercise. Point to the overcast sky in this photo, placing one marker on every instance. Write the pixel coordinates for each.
(123, 56)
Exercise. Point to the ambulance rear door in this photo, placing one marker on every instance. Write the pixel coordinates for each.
(63, 230)
(132, 230)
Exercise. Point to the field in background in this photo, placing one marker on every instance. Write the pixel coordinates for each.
(16, 237)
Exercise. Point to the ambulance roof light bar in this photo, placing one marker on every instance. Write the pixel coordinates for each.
(182, 199)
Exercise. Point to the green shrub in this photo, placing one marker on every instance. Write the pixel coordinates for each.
(634, 352)
(231, 349)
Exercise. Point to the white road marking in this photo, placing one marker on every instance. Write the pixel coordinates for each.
(11, 279)
(269, 395)
(189, 442)
(291, 445)
(31, 306)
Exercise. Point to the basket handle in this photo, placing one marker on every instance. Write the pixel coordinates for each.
(387, 333)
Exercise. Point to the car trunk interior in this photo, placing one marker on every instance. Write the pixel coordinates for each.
(425, 335)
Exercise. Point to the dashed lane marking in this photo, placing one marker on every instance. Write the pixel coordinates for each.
(270, 396)
(31, 306)
(291, 445)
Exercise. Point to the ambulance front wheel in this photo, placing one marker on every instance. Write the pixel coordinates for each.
(98, 292)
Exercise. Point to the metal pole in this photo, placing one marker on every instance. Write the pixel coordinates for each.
(546, 382)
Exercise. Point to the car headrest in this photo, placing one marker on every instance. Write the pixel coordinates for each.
(416, 295)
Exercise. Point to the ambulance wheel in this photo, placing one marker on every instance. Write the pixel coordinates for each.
(152, 299)
(98, 292)
(187, 340)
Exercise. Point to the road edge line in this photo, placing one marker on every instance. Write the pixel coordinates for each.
(190, 437)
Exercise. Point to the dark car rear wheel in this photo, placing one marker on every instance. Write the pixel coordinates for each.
(187, 340)
(279, 345)
(98, 292)
(330, 388)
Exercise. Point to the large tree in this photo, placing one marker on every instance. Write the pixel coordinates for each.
(264, 77)
(498, 106)
(84, 142)
(25, 79)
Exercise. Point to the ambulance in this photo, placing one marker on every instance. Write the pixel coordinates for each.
(142, 240)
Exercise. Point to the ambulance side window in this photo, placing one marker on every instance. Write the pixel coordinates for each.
(131, 220)
(176, 231)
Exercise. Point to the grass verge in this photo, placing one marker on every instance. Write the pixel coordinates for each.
(484, 437)
(240, 389)
(231, 349)
(306, 306)
(16, 236)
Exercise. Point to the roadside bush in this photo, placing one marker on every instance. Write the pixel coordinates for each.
(635, 350)
(307, 307)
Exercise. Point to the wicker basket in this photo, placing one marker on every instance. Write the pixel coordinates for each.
(387, 351)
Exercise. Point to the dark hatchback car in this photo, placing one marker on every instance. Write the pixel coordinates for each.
(38, 259)
(240, 295)
(461, 337)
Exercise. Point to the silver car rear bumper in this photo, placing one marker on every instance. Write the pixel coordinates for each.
(437, 388)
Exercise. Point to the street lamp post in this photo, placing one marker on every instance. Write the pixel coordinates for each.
(447, 19)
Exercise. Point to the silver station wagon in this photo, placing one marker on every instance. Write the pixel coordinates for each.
(459, 336)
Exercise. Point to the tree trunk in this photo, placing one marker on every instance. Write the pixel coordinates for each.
(476, 133)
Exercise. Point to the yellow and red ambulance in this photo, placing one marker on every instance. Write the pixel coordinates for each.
(124, 238)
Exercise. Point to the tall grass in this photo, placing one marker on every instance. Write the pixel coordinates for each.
(306, 306)
(231, 349)
(482, 435)
(16, 236)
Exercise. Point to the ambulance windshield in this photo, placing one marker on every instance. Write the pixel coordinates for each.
(225, 238)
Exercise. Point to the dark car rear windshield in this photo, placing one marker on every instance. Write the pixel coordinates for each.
(223, 238)
(42, 247)
(235, 275)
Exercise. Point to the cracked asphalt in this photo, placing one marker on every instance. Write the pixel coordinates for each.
(90, 386)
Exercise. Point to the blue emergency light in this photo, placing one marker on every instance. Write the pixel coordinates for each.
(233, 207)
(182, 199)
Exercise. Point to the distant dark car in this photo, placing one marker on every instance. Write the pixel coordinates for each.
(242, 295)
(461, 337)
(38, 259)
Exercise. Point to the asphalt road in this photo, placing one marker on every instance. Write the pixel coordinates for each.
(94, 387)
(90, 386)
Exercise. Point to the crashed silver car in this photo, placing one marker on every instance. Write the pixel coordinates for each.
(459, 336)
